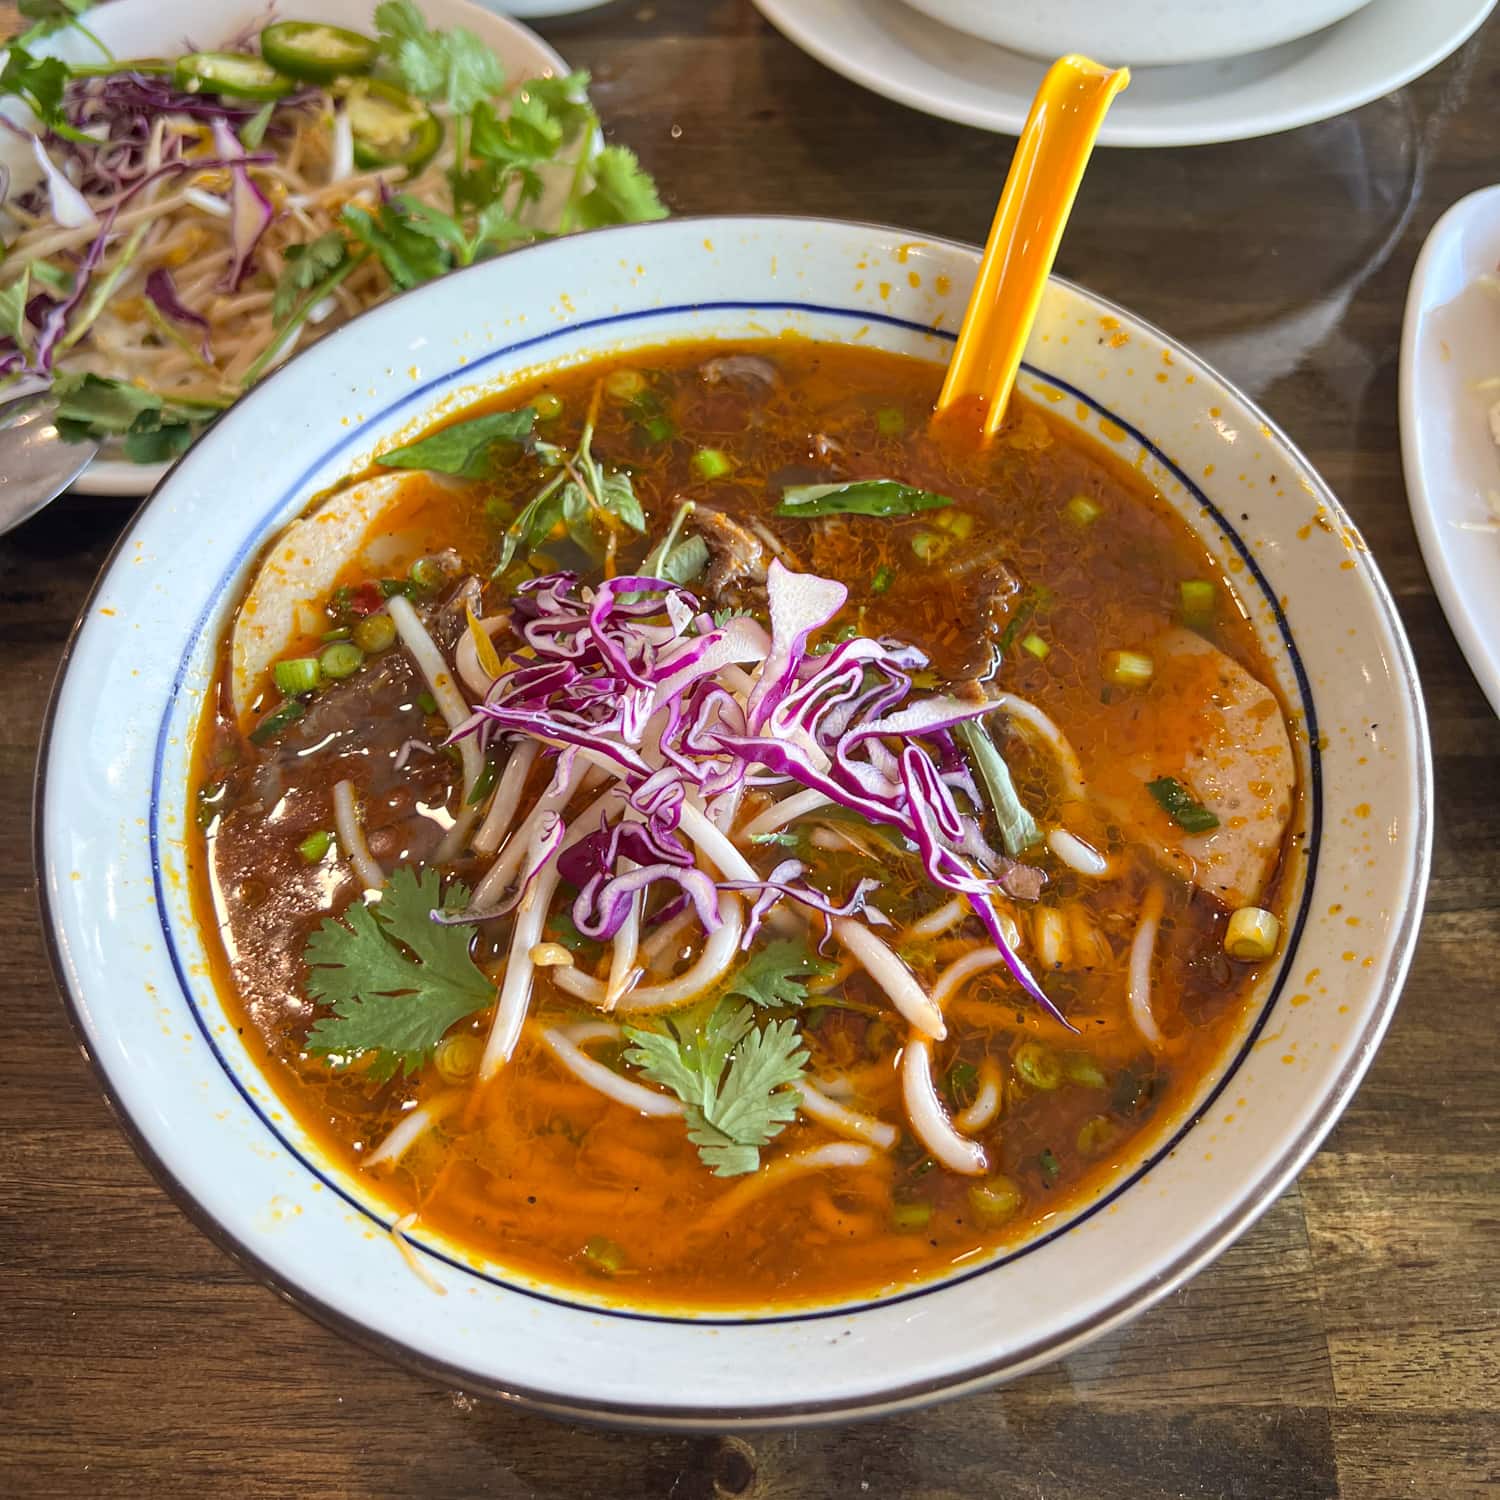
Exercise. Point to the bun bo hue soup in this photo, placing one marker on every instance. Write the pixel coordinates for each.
(691, 830)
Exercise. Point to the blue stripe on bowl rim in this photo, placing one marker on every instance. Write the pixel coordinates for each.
(466, 373)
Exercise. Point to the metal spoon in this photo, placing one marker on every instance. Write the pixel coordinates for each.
(36, 465)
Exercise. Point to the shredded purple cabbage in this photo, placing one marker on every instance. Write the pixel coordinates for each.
(629, 673)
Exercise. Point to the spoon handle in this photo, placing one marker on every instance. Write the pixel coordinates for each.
(1053, 150)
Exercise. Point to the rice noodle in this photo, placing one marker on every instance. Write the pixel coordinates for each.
(975, 961)
(564, 1044)
(787, 810)
(987, 1100)
(1077, 855)
(892, 975)
(412, 1127)
(816, 1105)
(451, 703)
(506, 798)
(837, 1155)
(929, 1120)
(346, 822)
(1028, 714)
(1142, 952)
(719, 952)
(935, 923)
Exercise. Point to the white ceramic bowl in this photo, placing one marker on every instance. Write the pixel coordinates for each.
(114, 810)
(1139, 32)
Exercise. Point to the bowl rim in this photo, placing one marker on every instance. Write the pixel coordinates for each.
(1269, 1182)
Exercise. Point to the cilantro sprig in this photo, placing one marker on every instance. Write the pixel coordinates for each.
(737, 1080)
(396, 979)
(778, 973)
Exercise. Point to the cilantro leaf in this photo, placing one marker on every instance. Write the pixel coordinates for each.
(396, 979)
(736, 1080)
(465, 448)
(623, 192)
(453, 67)
(409, 256)
(152, 425)
(566, 99)
(39, 82)
(306, 266)
(49, 16)
(771, 977)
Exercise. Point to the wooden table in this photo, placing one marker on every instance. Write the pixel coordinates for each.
(1348, 1346)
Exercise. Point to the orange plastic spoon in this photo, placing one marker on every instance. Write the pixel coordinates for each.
(1044, 175)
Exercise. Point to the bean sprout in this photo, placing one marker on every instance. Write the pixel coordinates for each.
(346, 822)
(1142, 952)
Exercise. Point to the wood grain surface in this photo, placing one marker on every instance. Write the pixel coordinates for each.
(1348, 1346)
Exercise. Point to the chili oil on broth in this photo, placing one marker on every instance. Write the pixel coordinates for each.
(534, 1170)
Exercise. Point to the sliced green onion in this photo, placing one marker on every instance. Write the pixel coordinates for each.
(457, 1057)
(390, 587)
(426, 702)
(315, 846)
(547, 405)
(297, 675)
(712, 463)
(277, 720)
(375, 633)
(1081, 1068)
(428, 574)
(1253, 934)
(660, 429)
(1037, 647)
(961, 1079)
(1082, 511)
(908, 1218)
(1038, 1067)
(930, 545)
(341, 659)
(1095, 1135)
(1128, 668)
(339, 634)
(1051, 1170)
(1199, 599)
(959, 522)
(1181, 806)
(603, 1255)
(890, 420)
(994, 1201)
(624, 385)
(484, 783)
(883, 579)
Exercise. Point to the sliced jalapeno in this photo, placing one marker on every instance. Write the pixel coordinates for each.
(390, 128)
(229, 73)
(316, 51)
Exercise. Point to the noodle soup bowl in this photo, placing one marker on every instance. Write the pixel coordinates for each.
(116, 816)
